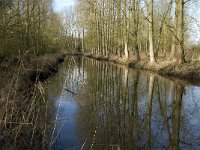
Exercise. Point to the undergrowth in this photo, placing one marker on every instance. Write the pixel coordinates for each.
(24, 106)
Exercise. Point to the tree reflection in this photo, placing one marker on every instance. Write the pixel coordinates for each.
(149, 109)
(121, 108)
(176, 114)
(117, 111)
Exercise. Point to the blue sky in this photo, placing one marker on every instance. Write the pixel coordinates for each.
(60, 4)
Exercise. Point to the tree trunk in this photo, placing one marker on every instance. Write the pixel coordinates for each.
(83, 40)
(180, 30)
(125, 30)
(126, 48)
(172, 54)
(151, 31)
(174, 38)
(162, 26)
(135, 16)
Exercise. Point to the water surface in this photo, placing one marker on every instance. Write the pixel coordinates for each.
(98, 105)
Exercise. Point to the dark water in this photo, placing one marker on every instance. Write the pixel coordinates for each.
(97, 105)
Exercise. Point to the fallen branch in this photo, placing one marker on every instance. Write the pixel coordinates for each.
(70, 91)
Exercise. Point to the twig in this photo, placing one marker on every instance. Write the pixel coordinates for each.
(83, 144)
(70, 91)
(21, 123)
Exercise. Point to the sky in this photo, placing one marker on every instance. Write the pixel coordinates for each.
(195, 23)
(60, 4)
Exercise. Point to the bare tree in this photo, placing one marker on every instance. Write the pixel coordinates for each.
(151, 30)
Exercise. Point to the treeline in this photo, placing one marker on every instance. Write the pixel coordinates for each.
(29, 27)
(128, 27)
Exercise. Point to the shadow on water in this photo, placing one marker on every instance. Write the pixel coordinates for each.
(97, 105)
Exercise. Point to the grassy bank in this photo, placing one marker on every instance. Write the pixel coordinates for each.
(24, 107)
(189, 71)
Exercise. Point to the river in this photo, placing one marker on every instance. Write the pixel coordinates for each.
(99, 105)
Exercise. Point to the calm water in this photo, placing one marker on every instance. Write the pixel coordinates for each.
(98, 105)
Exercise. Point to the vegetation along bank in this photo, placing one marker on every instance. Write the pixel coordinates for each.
(189, 71)
(160, 36)
(22, 95)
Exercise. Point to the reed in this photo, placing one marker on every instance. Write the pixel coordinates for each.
(24, 106)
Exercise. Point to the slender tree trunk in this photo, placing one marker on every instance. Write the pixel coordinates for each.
(173, 47)
(174, 38)
(126, 48)
(39, 30)
(163, 22)
(19, 32)
(83, 39)
(151, 30)
(180, 30)
(119, 28)
(125, 30)
(135, 15)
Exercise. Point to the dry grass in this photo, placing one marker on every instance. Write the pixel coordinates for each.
(24, 107)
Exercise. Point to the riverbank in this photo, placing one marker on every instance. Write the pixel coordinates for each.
(23, 121)
(28, 72)
(189, 71)
(39, 69)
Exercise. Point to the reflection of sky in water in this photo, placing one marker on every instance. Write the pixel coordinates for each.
(66, 123)
(191, 114)
(97, 83)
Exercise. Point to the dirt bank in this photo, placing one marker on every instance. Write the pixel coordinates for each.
(187, 71)
(36, 69)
